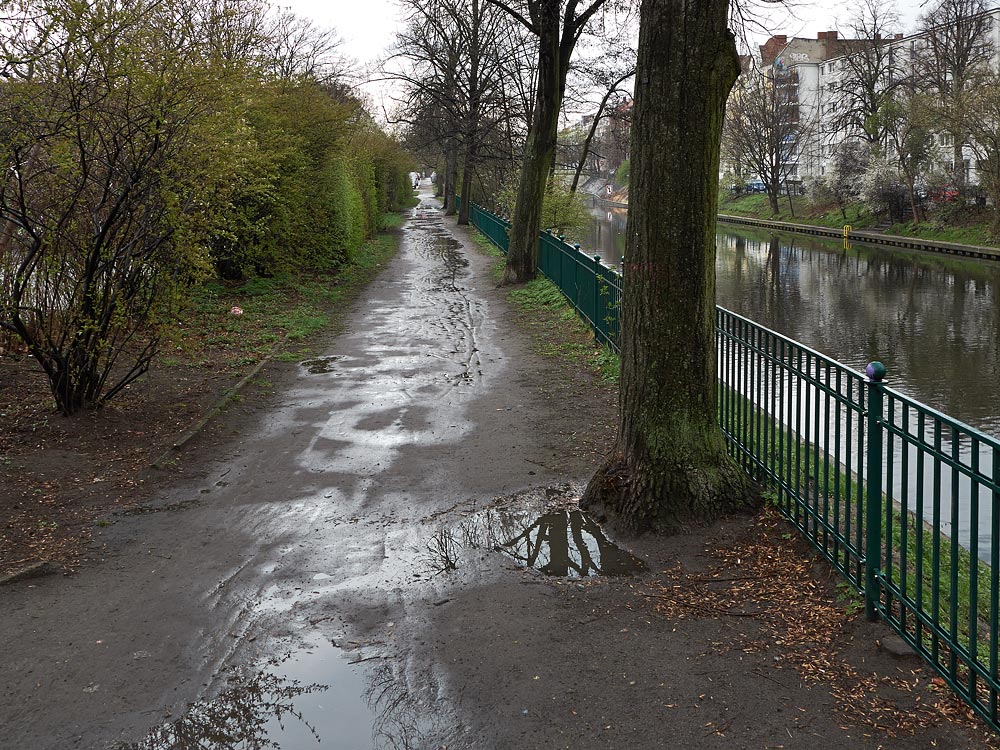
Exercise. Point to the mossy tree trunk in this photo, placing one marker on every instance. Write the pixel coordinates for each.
(669, 466)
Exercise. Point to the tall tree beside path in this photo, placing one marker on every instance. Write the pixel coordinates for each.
(870, 75)
(558, 25)
(669, 465)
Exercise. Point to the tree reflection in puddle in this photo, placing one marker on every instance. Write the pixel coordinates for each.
(312, 698)
(565, 543)
(240, 718)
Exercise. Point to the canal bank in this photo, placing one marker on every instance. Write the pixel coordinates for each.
(933, 320)
(874, 238)
(837, 449)
(980, 252)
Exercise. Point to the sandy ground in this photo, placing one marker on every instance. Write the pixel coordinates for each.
(341, 534)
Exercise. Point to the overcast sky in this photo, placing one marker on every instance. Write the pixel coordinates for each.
(367, 27)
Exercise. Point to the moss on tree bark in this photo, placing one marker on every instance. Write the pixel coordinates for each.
(669, 467)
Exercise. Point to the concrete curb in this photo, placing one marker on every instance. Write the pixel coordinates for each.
(185, 437)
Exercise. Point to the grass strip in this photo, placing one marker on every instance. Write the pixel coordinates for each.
(555, 327)
(232, 326)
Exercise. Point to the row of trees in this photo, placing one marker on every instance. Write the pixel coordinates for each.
(899, 119)
(669, 464)
(149, 144)
(485, 82)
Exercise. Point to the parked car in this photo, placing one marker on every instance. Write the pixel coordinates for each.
(755, 186)
(946, 194)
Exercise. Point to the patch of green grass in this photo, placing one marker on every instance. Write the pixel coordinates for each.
(975, 233)
(801, 211)
(848, 596)
(301, 321)
(208, 331)
(554, 323)
(540, 293)
(389, 221)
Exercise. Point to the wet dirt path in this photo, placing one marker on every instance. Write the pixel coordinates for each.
(324, 576)
(311, 527)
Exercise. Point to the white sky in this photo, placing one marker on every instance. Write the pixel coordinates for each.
(807, 17)
(367, 27)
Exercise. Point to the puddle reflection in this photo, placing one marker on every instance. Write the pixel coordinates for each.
(320, 365)
(313, 698)
(240, 718)
(567, 544)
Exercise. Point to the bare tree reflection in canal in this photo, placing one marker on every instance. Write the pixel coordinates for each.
(565, 543)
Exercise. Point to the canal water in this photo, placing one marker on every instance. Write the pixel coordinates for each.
(932, 320)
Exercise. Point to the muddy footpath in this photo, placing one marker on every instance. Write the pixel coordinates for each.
(387, 554)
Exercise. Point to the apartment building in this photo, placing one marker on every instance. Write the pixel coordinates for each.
(813, 72)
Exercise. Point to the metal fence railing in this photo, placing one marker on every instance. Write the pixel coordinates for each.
(903, 500)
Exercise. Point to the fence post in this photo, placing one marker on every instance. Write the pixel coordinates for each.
(595, 321)
(873, 483)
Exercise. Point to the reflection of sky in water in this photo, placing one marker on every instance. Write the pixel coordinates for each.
(314, 698)
(932, 320)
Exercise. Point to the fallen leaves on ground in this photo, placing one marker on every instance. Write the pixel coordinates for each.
(771, 580)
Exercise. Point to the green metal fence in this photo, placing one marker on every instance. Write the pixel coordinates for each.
(903, 500)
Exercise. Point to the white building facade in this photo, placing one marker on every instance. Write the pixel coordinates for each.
(816, 71)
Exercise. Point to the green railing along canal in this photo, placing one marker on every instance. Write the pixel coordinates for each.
(903, 500)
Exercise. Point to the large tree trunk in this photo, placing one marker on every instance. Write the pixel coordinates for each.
(539, 153)
(669, 466)
(463, 209)
(451, 172)
(472, 118)
(453, 182)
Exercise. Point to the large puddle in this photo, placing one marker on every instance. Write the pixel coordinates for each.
(314, 698)
(564, 543)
